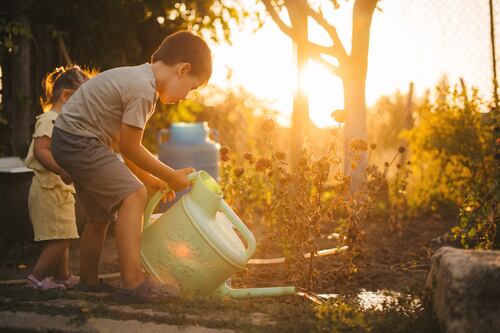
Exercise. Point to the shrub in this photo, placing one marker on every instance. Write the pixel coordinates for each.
(301, 207)
(454, 146)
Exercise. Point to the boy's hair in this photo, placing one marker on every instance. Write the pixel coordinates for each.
(59, 79)
(184, 46)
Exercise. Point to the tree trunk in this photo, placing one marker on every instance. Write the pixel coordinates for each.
(21, 85)
(6, 143)
(355, 126)
(300, 115)
(354, 81)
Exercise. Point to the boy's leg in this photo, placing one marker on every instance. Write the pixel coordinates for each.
(50, 257)
(91, 245)
(128, 238)
(106, 186)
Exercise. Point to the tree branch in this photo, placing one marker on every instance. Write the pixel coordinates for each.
(289, 31)
(314, 50)
(337, 50)
(335, 70)
(63, 49)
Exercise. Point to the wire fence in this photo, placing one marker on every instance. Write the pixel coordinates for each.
(445, 37)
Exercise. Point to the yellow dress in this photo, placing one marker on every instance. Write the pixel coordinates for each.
(51, 202)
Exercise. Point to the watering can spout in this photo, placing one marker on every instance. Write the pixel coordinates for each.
(225, 290)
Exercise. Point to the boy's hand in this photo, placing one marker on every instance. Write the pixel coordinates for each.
(154, 185)
(65, 177)
(179, 180)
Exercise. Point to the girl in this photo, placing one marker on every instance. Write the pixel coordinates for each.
(51, 202)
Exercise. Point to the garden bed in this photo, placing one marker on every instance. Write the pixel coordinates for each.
(388, 262)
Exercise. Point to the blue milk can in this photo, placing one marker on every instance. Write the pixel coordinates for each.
(188, 145)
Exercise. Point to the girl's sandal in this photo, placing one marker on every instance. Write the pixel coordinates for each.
(45, 284)
(70, 282)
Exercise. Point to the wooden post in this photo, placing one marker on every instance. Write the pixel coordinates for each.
(408, 124)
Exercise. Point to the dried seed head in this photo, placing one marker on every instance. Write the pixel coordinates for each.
(401, 150)
(248, 156)
(224, 150)
(358, 145)
(280, 156)
(302, 161)
(239, 172)
(268, 125)
(339, 116)
(373, 146)
(263, 164)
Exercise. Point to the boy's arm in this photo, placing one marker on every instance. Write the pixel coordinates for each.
(143, 176)
(152, 183)
(133, 150)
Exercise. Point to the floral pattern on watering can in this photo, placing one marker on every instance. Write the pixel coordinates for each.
(182, 258)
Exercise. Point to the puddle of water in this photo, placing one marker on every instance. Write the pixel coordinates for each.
(371, 300)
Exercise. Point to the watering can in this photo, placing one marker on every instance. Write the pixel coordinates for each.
(194, 244)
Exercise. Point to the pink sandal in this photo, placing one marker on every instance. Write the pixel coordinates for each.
(45, 284)
(70, 282)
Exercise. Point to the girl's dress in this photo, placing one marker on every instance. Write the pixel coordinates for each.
(51, 202)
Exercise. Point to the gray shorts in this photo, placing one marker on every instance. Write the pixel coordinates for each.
(101, 180)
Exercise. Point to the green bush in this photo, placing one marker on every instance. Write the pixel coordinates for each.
(453, 147)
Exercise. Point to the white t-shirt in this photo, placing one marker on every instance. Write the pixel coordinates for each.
(99, 107)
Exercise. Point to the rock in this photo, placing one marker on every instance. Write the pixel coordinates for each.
(465, 290)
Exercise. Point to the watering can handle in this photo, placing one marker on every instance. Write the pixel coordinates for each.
(150, 207)
(242, 228)
(155, 199)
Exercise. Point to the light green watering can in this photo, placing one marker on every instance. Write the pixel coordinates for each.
(194, 246)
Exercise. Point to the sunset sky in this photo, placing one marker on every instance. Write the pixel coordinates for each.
(415, 41)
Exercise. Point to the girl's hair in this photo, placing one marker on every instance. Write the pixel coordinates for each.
(61, 78)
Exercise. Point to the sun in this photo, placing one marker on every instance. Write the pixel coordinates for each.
(325, 93)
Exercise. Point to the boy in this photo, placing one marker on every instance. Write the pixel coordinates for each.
(111, 110)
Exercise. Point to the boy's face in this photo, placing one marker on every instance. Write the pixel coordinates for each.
(179, 85)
